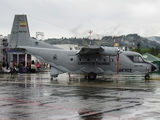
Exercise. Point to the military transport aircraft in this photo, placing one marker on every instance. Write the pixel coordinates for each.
(91, 60)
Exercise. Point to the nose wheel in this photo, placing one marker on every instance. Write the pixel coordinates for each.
(147, 77)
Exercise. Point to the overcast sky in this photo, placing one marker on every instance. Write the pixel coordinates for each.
(74, 18)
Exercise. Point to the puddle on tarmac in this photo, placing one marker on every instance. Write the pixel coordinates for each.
(37, 97)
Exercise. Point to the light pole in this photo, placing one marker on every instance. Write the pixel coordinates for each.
(114, 37)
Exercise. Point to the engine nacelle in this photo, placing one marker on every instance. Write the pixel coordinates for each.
(113, 51)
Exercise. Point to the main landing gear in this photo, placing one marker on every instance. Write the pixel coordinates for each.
(90, 76)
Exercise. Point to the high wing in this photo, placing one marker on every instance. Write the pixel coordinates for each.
(90, 49)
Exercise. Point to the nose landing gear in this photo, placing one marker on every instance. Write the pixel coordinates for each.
(147, 77)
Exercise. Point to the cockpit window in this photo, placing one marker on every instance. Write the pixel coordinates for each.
(140, 59)
(136, 58)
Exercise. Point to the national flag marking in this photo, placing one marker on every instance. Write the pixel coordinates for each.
(22, 24)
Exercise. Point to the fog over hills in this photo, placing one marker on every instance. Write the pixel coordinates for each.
(132, 40)
(123, 40)
(154, 38)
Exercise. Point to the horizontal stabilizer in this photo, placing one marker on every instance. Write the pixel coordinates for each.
(18, 49)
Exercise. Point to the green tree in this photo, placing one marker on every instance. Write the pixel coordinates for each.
(158, 55)
(152, 51)
(156, 50)
(146, 50)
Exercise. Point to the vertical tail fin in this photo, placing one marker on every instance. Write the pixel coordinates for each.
(20, 32)
(20, 36)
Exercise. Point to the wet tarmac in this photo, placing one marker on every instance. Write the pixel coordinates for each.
(38, 97)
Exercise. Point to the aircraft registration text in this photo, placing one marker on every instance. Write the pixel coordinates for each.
(125, 70)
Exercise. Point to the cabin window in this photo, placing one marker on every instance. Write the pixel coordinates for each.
(97, 60)
(71, 59)
(80, 59)
(36, 43)
(136, 58)
(88, 59)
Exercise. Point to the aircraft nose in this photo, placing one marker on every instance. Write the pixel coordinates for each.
(153, 68)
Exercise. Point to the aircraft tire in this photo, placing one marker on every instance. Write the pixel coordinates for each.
(147, 77)
(92, 76)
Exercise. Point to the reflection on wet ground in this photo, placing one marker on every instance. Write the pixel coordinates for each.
(38, 97)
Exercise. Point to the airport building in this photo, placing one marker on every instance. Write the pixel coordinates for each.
(3, 44)
(1, 48)
(7, 55)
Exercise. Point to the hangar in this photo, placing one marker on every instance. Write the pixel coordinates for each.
(155, 60)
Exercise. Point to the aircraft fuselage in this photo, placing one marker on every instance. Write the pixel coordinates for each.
(68, 61)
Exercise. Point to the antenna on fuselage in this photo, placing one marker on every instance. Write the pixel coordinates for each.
(114, 38)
